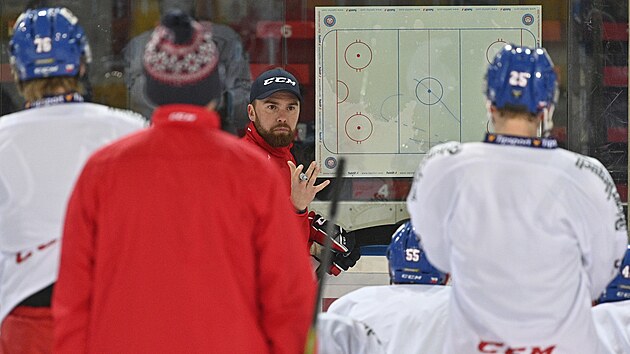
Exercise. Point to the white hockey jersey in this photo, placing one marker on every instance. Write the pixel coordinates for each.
(612, 320)
(531, 233)
(338, 334)
(408, 318)
(413, 318)
(42, 151)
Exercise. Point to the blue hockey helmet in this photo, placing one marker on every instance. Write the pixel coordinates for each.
(522, 77)
(48, 42)
(619, 288)
(408, 263)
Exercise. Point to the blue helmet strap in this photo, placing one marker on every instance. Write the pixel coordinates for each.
(547, 121)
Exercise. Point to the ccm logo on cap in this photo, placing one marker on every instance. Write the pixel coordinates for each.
(280, 79)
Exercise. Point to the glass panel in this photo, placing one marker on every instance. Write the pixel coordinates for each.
(587, 40)
(597, 49)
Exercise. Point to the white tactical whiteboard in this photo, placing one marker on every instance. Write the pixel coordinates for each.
(392, 82)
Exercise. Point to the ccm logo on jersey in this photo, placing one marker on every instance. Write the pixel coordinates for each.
(501, 348)
(21, 257)
(280, 79)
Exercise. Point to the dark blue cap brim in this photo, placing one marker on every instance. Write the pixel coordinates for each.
(272, 91)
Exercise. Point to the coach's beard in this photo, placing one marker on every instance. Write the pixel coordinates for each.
(276, 138)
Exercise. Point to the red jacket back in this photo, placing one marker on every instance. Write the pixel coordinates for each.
(177, 240)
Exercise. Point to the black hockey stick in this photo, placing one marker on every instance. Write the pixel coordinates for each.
(326, 261)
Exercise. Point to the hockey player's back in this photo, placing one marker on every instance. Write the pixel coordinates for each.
(531, 233)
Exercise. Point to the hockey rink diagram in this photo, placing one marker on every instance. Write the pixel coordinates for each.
(387, 93)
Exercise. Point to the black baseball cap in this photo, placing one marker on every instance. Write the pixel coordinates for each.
(272, 81)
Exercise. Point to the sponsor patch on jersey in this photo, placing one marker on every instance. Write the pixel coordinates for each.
(543, 143)
(52, 100)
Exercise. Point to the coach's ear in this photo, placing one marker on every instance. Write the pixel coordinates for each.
(250, 112)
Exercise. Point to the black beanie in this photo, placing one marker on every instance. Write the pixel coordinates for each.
(180, 62)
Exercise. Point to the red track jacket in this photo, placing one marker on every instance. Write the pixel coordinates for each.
(279, 157)
(176, 240)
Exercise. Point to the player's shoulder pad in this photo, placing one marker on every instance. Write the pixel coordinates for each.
(129, 115)
(446, 149)
(436, 155)
(591, 168)
(590, 171)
